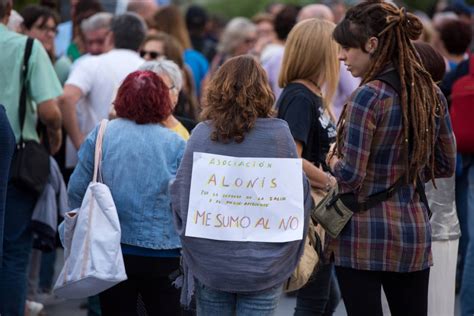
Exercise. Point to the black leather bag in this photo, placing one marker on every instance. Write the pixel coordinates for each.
(30, 164)
(30, 167)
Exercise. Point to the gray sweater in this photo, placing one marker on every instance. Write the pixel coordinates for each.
(231, 266)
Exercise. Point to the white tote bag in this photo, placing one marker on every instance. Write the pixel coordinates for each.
(93, 259)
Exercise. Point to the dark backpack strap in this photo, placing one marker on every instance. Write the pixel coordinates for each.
(393, 79)
(24, 76)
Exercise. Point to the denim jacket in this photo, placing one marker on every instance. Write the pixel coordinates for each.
(138, 162)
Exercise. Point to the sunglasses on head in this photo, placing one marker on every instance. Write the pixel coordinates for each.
(152, 54)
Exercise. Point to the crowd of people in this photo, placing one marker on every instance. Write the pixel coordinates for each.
(361, 94)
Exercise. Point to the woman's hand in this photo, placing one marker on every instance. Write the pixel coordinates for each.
(331, 158)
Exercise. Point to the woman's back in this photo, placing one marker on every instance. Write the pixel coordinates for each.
(237, 266)
(138, 162)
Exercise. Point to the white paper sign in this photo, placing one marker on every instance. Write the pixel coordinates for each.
(246, 199)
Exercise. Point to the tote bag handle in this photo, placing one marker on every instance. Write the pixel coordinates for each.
(98, 151)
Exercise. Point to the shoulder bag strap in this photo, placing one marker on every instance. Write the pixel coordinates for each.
(98, 152)
(24, 77)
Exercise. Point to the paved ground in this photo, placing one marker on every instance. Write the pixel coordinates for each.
(286, 306)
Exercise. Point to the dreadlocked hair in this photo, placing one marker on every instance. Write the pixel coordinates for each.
(395, 29)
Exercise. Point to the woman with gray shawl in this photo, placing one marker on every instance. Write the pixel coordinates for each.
(235, 277)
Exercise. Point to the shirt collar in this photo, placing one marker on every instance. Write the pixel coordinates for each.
(3, 28)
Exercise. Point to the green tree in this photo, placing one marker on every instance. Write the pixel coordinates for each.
(248, 8)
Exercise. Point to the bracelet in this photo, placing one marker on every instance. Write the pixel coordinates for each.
(328, 183)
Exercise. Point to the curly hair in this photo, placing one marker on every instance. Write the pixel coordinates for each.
(237, 95)
(395, 29)
(143, 98)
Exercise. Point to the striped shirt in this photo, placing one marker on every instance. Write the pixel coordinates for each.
(395, 235)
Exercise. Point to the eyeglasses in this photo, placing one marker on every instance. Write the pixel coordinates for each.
(45, 28)
(173, 89)
(152, 54)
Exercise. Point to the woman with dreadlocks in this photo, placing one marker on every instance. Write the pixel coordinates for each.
(394, 135)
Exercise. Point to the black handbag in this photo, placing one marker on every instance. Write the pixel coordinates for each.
(30, 164)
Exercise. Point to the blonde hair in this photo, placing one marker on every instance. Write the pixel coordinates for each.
(170, 20)
(311, 52)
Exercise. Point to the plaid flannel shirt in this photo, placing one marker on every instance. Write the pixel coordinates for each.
(395, 235)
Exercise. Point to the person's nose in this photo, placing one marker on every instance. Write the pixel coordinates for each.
(341, 55)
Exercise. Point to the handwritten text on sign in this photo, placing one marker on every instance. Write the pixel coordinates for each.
(246, 199)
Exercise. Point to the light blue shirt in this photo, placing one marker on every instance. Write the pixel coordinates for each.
(63, 38)
(138, 163)
(199, 66)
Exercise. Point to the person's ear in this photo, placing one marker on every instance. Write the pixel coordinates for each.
(371, 45)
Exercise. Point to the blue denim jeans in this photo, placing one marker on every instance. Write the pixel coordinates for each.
(17, 245)
(320, 296)
(211, 302)
(467, 283)
(48, 260)
(7, 146)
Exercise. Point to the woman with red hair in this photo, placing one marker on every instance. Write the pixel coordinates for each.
(139, 158)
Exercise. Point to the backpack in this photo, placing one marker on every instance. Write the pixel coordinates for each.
(462, 110)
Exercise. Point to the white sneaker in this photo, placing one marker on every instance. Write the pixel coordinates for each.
(48, 299)
(33, 308)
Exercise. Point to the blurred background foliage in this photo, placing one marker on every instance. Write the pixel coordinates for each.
(250, 7)
(231, 8)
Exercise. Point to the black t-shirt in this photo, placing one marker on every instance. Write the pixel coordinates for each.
(304, 112)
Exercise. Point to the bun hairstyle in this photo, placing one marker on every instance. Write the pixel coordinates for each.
(395, 28)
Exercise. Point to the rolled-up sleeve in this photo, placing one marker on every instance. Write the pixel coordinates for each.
(445, 145)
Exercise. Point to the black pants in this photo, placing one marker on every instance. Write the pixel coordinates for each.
(407, 293)
(147, 277)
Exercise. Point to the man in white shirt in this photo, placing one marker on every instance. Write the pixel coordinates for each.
(94, 34)
(98, 77)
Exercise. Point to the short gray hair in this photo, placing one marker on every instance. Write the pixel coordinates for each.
(235, 33)
(315, 11)
(129, 30)
(101, 20)
(165, 67)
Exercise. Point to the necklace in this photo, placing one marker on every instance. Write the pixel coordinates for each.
(315, 84)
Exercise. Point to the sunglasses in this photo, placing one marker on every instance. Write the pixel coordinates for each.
(152, 54)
